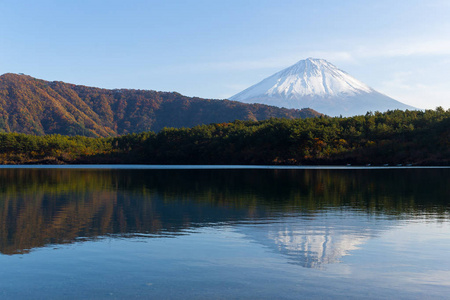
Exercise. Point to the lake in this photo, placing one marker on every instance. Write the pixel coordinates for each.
(122, 232)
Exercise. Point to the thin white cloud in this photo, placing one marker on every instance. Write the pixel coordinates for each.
(355, 55)
(404, 48)
(399, 80)
(401, 86)
(265, 63)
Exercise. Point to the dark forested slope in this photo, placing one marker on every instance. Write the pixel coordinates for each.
(34, 106)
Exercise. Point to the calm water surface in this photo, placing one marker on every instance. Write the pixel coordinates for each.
(226, 233)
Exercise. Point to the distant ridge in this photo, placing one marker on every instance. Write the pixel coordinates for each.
(34, 106)
(318, 84)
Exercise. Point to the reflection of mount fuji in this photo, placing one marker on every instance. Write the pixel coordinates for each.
(314, 242)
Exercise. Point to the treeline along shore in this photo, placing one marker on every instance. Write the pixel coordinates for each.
(395, 137)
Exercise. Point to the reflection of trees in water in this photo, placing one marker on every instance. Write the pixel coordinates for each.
(35, 220)
(50, 206)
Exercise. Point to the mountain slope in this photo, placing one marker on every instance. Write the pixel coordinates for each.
(30, 105)
(320, 85)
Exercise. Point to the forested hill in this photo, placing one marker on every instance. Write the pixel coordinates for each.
(34, 106)
(395, 137)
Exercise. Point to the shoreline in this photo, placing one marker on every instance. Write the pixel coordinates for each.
(212, 167)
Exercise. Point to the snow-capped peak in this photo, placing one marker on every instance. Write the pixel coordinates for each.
(318, 84)
(309, 77)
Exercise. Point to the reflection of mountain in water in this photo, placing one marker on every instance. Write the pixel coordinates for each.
(314, 242)
(39, 207)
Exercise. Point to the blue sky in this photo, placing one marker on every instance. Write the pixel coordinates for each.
(214, 49)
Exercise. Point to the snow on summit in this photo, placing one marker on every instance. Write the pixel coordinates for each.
(305, 78)
(318, 84)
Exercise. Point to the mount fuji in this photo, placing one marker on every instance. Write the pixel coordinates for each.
(318, 84)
